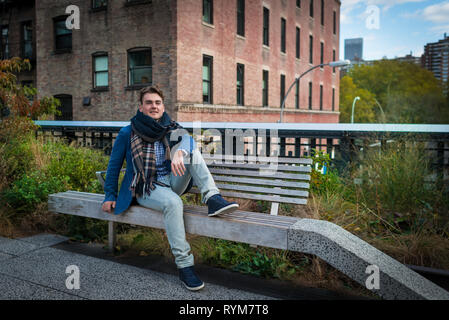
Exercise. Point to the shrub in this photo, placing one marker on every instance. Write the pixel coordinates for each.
(31, 189)
(79, 164)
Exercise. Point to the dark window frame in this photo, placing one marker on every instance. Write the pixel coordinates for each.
(310, 94)
(335, 23)
(311, 8)
(266, 80)
(283, 35)
(298, 43)
(297, 95)
(210, 59)
(241, 87)
(298, 3)
(56, 36)
(266, 26)
(241, 17)
(282, 89)
(211, 11)
(321, 97)
(63, 116)
(321, 53)
(310, 49)
(95, 55)
(95, 6)
(129, 70)
(322, 12)
(5, 45)
(23, 42)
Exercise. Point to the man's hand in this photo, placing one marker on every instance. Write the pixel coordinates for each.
(177, 163)
(108, 206)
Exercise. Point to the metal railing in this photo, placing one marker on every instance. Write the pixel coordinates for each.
(342, 141)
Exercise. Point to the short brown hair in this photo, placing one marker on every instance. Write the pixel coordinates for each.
(152, 89)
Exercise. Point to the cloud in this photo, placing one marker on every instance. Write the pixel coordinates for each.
(437, 13)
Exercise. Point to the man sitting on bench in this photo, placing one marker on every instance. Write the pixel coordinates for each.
(156, 181)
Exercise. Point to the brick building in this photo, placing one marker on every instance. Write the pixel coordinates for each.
(216, 60)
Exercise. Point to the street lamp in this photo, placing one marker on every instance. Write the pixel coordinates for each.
(353, 105)
(333, 64)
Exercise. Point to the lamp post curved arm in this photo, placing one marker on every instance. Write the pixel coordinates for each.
(353, 105)
(333, 64)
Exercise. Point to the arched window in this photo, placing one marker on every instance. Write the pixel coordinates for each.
(65, 107)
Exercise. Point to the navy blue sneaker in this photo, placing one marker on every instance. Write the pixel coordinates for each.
(190, 279)
(217, 205)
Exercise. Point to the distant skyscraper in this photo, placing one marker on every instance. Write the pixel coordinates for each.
(354, 49)
(436, 58)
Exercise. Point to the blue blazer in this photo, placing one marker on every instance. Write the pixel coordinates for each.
(121, 151)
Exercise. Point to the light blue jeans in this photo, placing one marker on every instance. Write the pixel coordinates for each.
(168, 201)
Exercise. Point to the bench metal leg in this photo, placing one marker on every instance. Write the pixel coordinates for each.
(112, 239)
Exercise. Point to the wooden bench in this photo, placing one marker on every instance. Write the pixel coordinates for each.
(283, 181)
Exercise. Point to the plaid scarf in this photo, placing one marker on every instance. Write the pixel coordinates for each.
(145, 131)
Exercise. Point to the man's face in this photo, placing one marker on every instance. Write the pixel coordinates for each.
(152, 106)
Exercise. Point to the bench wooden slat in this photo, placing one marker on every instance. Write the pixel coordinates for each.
(262, 197)
(264, 174)
(285, 192)
(261, 166)
(253, 159)
(238, 226)
(266, 182)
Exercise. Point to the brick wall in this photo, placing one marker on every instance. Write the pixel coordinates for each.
(220, 41)
(114, 31)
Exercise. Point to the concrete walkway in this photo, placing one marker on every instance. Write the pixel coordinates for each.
(35, 268)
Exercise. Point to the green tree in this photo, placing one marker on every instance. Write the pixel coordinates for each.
(364, 108)
(406, 92)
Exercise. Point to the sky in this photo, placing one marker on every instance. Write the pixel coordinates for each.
(393, 28)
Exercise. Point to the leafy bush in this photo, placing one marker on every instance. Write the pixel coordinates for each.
(31, 189)
(79, 164)
(328, 181)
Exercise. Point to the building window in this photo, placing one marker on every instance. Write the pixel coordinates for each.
(100, 70)
(298, 43)
(240, 84)
(322, 12)
(282, 88)
(311, 49)
(266, 26)
(283, 26)
(335, 22)
(208, 11)
(99, 4)
(207, 79)
(310, 95)
(321, 97)
(265, 88)
(298, 3)
(297, 95)
(65, 107)
(27, 40)
(5, 42)
(333, 59)
(63, 36)
(241, 17)
(311, 8)
(140, 67)
(333, 99)
(321, 52)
